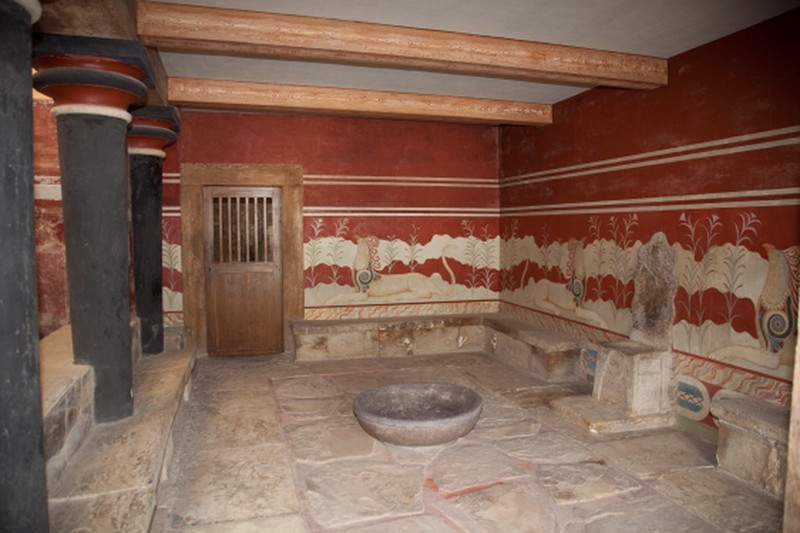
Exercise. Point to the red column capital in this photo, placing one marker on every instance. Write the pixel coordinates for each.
(89, 84)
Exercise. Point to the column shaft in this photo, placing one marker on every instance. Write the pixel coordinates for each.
(146, 215)
(23, 486)
(93, 160)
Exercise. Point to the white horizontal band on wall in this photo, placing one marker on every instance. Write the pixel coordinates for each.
(646, 158)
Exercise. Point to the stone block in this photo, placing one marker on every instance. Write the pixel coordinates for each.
(548, 355)
(353, 344)
(471, 338)
(752, 441)
(635, 377)
(511, 351)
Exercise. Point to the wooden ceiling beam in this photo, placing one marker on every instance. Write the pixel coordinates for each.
(184, 28)
(253, 96)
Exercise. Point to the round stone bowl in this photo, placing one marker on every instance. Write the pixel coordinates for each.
(418, 414)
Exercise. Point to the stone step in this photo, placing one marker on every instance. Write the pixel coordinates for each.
(110, 483)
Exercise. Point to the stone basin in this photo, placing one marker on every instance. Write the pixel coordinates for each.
(418, 414)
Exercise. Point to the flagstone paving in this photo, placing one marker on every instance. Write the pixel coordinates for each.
(268, 445)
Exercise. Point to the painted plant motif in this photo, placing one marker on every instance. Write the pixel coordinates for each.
(171, 263)
(336, 249)
(313, 250)
(508, 254)
(622, 261)
(414, 247)
(480, 256)
(700, 235)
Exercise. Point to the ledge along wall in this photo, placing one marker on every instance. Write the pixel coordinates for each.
(713, 161)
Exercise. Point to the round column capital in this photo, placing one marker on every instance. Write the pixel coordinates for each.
(31, 6)
(150, 135)
(89, 85)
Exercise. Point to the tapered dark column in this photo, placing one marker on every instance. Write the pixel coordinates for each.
(148, 136)
(23, 486)
(91, 97)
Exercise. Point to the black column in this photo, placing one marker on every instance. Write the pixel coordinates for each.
(91, 95)
(146, 215)
(152, 129)
(93, 159)
(23, 486)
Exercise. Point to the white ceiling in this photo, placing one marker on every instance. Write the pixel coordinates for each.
(661, 28)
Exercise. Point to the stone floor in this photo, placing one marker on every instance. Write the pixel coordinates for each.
(268, 445)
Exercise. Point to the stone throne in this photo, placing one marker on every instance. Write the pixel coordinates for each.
(632, 382)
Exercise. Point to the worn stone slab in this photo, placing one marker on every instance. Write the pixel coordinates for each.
(603, 417)
(499, 412)
(583, 481)
(339, 366)
(513, 506)
(499, 377)
(545, 447)
(414, 361)
(412, 524)
(229, 485)
(289, 523)
(235, 374)
(117, 456)
(225, 419)
(159, 383)
(306, 387)
(124, 511)
(542, 396)
(355, 383)
(658, 453)
(343, 493)
(635, 513)
(296, 410)
(722, 500)
(519, 428)
(330, 439)
(464, 466)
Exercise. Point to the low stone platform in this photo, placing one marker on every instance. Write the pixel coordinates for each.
(631, 390)
(110, 482)
(752, 442)
(67, 400)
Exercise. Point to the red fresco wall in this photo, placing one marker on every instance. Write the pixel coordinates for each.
(712, 160)
(415, 187)
(51, 274)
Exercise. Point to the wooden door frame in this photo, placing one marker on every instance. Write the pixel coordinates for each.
(194, 177)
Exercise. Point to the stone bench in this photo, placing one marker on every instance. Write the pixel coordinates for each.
(547, 355)
(752, 441)
(550, 356)
(317, 340)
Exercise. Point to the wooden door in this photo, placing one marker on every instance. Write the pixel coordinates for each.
(243, 263)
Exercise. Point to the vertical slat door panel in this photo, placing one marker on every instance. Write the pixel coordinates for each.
(244, 279)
